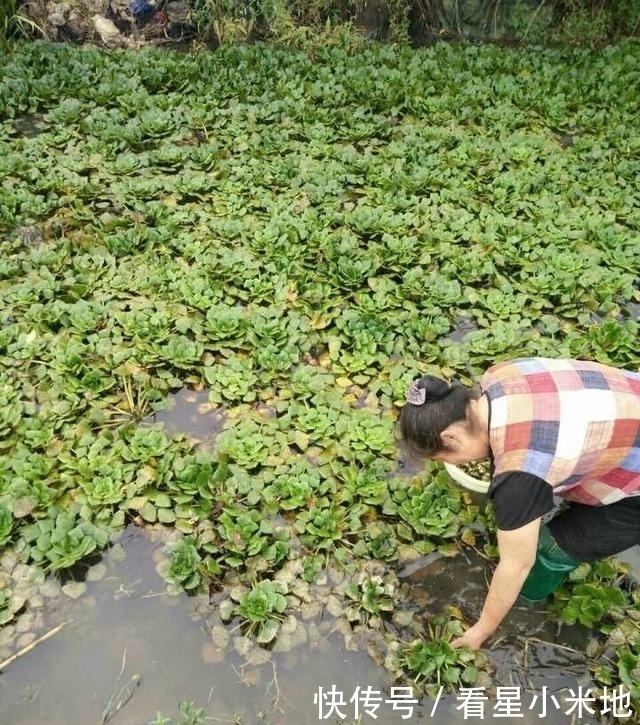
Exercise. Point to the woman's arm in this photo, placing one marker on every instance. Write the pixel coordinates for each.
(517, 550)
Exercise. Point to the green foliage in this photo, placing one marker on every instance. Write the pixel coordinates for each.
(432, 510)
(295, 23)
(293, 487)
(628, 671)
(321, 526)
(6, 524)
(194, 487)
(588, 604)
(592, 594)
(589, 22)
(15, 24)
(365, 436)
(261, 602)
(232, 380)
(10, 410)
(290, 22)
(190, 714)
(436, 663)
(185, 562)
(599, 595)
(372, 597)
(381, 541)
(260, 609)
(62, 539)
(246, 533)
(251, 444)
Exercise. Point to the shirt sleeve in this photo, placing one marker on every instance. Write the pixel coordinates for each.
(519, 498)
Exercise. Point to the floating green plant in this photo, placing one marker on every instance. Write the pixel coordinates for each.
(63, 539)
(436, 663)
(260, 609)
(372, 597)
(184, 564)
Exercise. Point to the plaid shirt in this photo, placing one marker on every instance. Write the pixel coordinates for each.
(574, 424)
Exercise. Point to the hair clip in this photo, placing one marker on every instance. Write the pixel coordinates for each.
(416, 395)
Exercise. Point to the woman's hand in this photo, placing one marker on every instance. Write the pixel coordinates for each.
(473, 637)
(517, 554)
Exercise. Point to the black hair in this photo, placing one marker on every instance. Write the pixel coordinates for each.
(421, 425)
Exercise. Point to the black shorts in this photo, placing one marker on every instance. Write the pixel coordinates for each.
(595, 532)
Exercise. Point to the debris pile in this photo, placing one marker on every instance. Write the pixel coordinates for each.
(113, 23)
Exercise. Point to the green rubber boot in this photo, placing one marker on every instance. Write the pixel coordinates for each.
(551, 568)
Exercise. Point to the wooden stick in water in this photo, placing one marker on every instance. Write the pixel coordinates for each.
(35, 643)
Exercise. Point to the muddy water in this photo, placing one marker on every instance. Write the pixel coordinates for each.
(128, 642)
(190, 413)
(127, 618)
(126, 628)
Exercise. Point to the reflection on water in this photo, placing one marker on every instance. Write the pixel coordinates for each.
(189, 412)
(463, 326)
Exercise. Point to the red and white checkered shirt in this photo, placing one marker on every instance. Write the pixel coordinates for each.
(572, 423)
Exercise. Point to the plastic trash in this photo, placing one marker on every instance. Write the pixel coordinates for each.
(141, 7)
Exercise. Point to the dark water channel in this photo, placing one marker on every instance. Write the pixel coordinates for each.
(125, 632)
